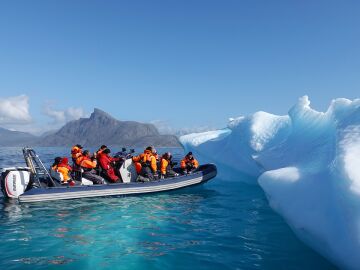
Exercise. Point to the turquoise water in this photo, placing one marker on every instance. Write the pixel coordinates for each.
(219, 225)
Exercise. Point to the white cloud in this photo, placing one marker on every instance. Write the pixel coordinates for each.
(15, 115)
(74, 113)
(63, 116)
(15, 110)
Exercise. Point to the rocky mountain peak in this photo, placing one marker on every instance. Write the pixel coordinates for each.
(102, 128)
(98, 113)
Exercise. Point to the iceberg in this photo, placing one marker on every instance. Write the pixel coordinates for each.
(307, 163)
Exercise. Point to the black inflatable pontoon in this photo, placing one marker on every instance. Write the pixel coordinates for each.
(34, 183)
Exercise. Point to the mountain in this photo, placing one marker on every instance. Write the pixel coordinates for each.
(47, 133)
(15, 138)
(102, 128)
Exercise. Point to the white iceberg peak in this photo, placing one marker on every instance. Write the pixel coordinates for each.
(308, 164)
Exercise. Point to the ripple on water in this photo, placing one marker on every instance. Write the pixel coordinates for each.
(220, 225)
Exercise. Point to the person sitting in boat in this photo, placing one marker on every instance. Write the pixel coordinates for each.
(76, 152)
(166, 166)
(58, 170)
(121, 153)
(53, 168)
(97, 155)
(100, 150)
(65, 169)
(189, 163)
(57, 160)
(136, 160)
(88, 164)
(107, 164)
(148, 164)
(155, 154)
(157, 157)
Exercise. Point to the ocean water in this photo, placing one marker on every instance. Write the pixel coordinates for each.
(219, 225)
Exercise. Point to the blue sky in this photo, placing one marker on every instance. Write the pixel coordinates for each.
(188, 63)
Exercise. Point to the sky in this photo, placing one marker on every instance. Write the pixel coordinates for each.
(182, 64)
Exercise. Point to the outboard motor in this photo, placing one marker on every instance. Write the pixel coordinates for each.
(14, 181)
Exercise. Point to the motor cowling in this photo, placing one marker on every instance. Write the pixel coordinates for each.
(14, 181)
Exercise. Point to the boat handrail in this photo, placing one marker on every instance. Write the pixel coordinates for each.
(36, 166)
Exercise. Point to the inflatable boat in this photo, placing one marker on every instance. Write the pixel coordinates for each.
(35, 183)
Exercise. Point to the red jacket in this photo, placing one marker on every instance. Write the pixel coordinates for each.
(105, 160)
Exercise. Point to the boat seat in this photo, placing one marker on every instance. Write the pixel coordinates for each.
(86, 182)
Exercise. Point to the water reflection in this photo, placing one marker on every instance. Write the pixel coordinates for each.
(13, 211)
(220, 225)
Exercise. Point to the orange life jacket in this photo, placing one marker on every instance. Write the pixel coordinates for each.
(138, 167)
(86, 163)
(146, 159)
(138, 158)
(75, 152)
(79, 160)
(149, 160)
(64, 171)
(137, 163)
(164, 165)
(186, 160)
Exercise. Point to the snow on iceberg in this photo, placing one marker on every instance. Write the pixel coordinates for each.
(308, 164)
